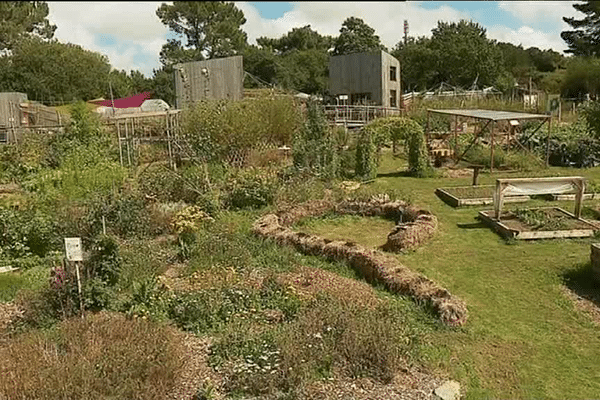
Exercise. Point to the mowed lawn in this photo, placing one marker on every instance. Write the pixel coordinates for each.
(525, 338)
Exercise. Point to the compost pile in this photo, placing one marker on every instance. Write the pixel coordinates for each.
(374, 265)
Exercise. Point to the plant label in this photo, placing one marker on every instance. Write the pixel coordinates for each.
(73, 249)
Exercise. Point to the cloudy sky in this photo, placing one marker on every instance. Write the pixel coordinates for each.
(131, 34)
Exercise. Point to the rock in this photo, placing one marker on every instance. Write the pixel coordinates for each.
(450, 390)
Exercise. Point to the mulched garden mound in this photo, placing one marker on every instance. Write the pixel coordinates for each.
(374, 265)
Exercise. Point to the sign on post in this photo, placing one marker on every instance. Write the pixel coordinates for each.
(73, 249)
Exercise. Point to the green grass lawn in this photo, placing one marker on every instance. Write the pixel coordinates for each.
(524, 338)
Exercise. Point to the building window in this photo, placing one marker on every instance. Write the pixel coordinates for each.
(392, 73)
(393, 101)
(360, 98)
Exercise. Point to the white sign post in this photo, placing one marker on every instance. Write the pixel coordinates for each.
(75, 254)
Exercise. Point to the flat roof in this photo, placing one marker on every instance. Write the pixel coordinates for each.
(491, 114)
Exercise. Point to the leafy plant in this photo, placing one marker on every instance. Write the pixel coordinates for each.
(418, 157)
(314, 146)
(366, 156)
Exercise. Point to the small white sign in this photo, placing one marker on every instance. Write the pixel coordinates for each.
(73, 248)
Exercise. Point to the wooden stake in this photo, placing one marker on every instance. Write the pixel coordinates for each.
(79, 287)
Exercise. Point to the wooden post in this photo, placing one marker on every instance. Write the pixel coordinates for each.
(476, 169)
(548, 142)
(498, 199)
(120, 144)
(580, 183)
(427, 131)
(455, 136)
(79, 287)
(492, 148)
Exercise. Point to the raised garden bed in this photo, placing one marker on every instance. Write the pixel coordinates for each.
(539, 223)
(586, 196)
(461, 196)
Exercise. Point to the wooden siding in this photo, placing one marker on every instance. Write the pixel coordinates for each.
(388, 61)
(9, 102)
(224, 79)
(365, 73)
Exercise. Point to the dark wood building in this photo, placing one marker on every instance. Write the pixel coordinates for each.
(365, 78)
(220, 78)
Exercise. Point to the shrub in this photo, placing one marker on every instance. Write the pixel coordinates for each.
(209, 310)
(338, 337)
(418, 157)
(102, 356)
(366, 157)
(314, 148)
(147, 300)
(104, 262)
(218, 129)
(25, 233)
(329, 338)
(124, 214)
(249, 188)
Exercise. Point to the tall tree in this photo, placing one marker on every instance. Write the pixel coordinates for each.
(356, 37)
(304, 38)
(464, 55)
(585, 39)
(162, 84)
(54, 71)
(418, 72)
(212, 29)
(299, 60)
(22, 18)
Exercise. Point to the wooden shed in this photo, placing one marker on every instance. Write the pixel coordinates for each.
(366, 78)
(220, 78)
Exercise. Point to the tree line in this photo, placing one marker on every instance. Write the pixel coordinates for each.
(457, 53)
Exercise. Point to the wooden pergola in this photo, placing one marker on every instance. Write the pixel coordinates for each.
(492, 117)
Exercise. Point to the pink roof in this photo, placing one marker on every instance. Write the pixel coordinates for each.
(125, 102)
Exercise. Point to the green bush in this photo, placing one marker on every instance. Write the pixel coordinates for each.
(25, 233)
(124, 214)
(218, 129)
(249, 188)
(104, 262)
(314, 148)
(418, 157)
(208, 310)
(366, 156)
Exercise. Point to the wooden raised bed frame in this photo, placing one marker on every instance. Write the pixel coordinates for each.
(504, 230)
(455, 201)
(586, 196)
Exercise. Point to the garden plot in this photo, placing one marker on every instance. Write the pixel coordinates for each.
(461, 196)
(539, 223)
(586, 196)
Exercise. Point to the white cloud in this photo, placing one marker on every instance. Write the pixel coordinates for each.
(134, 26)
(327, 18)
(139, 34)
(528, 37)
(540, 12)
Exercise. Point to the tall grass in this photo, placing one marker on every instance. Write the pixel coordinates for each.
(102, 356)
(218, 128)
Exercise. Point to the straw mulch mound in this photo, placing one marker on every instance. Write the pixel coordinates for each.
(374, 265)
(410, 235)
(415, 226)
